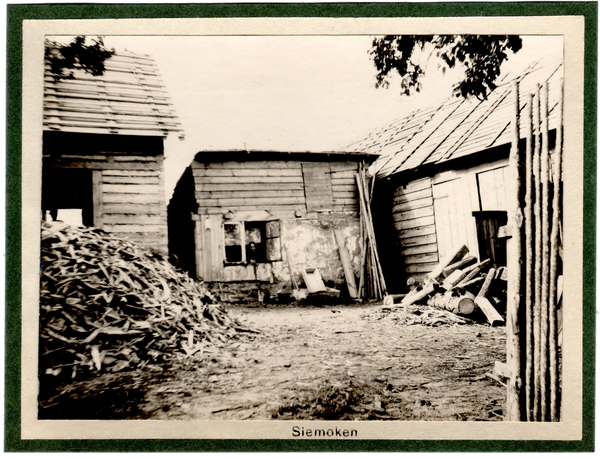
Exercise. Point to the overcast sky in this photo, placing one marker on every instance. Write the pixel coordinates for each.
(289, 93)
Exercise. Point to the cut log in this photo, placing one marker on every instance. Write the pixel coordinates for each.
(463, 304)
(455, 255)
(464, 263)
(454, 279)
(493, 317)
(418, 295)
(469, 284)
(486, 285)
(388, 300)
(473, 271)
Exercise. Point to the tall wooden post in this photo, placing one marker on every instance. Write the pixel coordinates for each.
(545, 160)
(537, 272)
(515, 218)
(528, 271)
(554, 241)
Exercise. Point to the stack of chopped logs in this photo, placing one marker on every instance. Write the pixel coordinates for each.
(460, 284)
(108, 304)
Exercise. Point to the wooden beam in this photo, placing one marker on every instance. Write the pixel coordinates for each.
(346, 263)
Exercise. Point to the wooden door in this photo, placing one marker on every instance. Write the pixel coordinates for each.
(208, 237)
(454, 222)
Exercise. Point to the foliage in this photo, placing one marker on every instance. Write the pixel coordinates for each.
(77, 55)
(408, 55)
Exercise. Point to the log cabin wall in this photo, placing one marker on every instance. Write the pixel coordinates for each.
(127, 182)
(296, 204)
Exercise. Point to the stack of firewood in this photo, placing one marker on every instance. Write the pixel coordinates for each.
(109, 304)
(460, 284)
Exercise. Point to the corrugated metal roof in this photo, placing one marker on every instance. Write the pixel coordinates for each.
(129, 98)
(457, 127)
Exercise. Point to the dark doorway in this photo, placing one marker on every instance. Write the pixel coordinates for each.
(490, 245)
(68, 189)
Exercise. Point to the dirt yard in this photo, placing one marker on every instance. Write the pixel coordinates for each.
(330, 362)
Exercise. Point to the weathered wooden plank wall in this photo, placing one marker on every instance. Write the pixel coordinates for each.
(128, 187)
(275, 186)
(415, 225)
(261, 191)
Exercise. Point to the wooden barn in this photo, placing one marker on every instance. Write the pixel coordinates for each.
(103, 149)
(259, 219)
(442, 177)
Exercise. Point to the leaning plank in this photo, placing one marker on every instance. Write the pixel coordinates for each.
(413, 297)
(455, 254)
(346, 263)
(464, 263)
(473, 271)
(488, 281)
(453, 279)
(493, 317)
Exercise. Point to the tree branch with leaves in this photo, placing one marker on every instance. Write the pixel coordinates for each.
(481, 56)
(77, 55)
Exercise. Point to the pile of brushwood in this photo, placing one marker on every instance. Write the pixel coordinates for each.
(107, 304)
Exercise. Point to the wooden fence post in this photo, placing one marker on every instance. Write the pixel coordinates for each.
(515, 218)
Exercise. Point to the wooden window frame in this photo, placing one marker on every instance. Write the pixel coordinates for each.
(242, 225)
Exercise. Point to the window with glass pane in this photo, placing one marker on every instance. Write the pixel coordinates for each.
(234, 243)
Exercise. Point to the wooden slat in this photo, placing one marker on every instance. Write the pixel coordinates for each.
(104, 165)
(130, 188)
(317, 186)
(417, 185)
(97, 198)
(337, 166)
(420, 267)
(121, 173)
(418, 249)
(249, 194)
(339, 188)
(133, 219)
(141, 208)
(217, 249)
(130, 198)
(250, 179)
(413, 214)
(342, 181)
(418, 240)
(345, 201)
(421, 258)
(124, 179)
(202, 187)
(406, 197)
(133, 228)
(412, 205)
(343, 174)
(415, 232)
(227, 202)
(345, 195)
(198, 165)
(248, 172)
(272, 211)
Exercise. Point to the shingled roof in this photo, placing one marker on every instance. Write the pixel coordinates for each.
(458, 127)
(129, 98)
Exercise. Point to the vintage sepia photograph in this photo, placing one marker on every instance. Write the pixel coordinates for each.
(306, 227)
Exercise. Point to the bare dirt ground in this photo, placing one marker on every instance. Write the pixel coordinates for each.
(330, 362)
